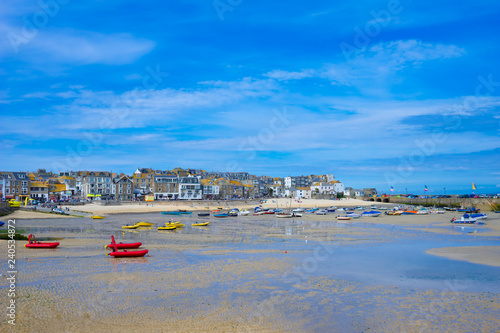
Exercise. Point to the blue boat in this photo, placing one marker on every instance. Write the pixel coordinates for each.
(171, 213)
(203, 214)
(1, 223)
(184, 212)
(371, 213)
(221, 215)
(468, 210)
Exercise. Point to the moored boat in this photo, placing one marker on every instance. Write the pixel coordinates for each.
(32, 243)
(244, 212)
(284, 215)
(321, 212)
(221, 215)
(144, 224)
(171, 213)
(465, 219)
(167, 227)
(203, 214)
(354, 215)
(200, 224)
(130, 226)
(98, 217)
(371, 213)
(343, 217)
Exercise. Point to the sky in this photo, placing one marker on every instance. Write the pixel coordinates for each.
(379, 93)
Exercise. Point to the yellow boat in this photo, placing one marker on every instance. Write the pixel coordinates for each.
(135, 226)
(98, 217)
(168, 227)
(144, 224)
(201, 224)
(176, 224)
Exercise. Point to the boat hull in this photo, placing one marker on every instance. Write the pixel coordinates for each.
(200, 224)
(42, 245)
(123, 254)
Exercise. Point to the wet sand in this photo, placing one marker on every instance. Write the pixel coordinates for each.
(484, 255)
(255, 274)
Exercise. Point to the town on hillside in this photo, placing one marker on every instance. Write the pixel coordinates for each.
(175, 184)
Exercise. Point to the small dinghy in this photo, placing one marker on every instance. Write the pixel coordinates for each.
(201, 224)
(32, 243)
(125, 253)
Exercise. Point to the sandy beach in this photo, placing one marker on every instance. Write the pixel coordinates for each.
(158, 206)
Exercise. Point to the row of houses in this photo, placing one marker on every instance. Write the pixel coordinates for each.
(175, 184)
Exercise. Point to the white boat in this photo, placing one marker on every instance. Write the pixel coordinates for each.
(284, 215)
(321, 212)
(438, 211)
(382, 208)
(465, 219)
(343, 217)
(422, 212)
(244, 212)
(341, 209)
(354, 215)
(298, 210)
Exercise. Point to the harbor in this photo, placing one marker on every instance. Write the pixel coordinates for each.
(261, 273)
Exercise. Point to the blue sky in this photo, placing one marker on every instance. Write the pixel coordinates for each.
(379, 93)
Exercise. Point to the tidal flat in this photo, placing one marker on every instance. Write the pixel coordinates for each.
(258, 274)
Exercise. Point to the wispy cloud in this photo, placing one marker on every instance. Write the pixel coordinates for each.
(376, 63)
(71, 46)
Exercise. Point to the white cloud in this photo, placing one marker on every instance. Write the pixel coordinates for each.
(84, 47)
(285, 76)
(372, 66)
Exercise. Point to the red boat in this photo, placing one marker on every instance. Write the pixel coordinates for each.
(125, 253)
(269, 212)
(32, 243)
(124, 246)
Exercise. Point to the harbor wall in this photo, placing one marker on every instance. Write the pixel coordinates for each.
(481, 203)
